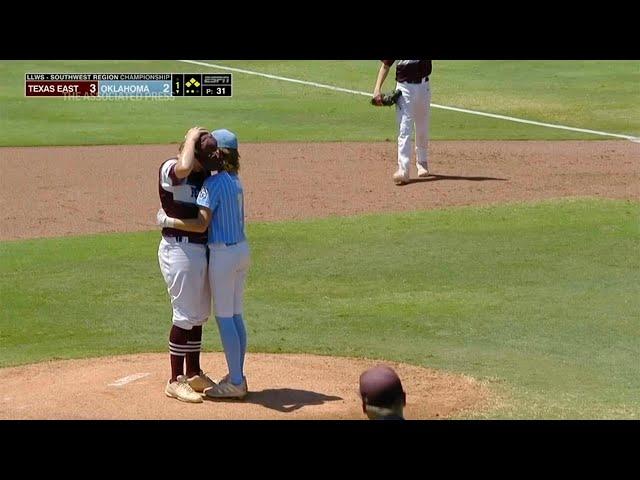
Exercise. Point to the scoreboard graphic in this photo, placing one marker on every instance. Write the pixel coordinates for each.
(128, 85)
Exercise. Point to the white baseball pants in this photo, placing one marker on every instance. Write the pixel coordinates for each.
(413, 107)
(184, 268)
(228, 266)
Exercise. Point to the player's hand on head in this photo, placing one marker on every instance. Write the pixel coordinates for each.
(195, 133)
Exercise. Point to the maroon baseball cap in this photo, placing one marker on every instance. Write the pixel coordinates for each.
(380, 386)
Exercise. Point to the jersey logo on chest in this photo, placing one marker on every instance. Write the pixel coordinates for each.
(185, 193)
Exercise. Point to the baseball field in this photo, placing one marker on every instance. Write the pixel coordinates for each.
(504, 286)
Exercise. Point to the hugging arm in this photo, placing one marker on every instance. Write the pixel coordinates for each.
(199, 224)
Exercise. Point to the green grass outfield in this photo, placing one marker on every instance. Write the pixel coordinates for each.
(540, 300)
(597, 95)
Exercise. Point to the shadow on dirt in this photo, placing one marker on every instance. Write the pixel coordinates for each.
(436, 178)
(287, 399)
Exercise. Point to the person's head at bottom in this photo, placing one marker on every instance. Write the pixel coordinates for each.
(382, 395)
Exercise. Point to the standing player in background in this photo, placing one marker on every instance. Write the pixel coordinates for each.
(221, 202)
(412, 78)
(182, 257)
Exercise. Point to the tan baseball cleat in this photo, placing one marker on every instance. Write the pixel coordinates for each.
(181, 390)
(423, 171)
(199, 383)
(401, 177)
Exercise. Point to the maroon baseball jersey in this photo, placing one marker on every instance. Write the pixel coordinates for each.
(178, 197)
(411, 71)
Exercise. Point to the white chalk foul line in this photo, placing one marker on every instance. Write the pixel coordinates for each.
(434, 105)
(128, 379)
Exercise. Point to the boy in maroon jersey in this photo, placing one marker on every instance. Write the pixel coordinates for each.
(183, 262)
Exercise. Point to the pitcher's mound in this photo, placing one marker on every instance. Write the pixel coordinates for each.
(281, 386)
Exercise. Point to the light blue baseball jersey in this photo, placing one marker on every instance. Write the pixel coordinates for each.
(223, 195)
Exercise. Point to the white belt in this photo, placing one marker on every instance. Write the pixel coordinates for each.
(225, 245)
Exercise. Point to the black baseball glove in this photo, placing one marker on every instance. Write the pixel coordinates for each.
(386, 99)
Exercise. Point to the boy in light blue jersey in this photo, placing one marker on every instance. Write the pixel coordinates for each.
(221, 203)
